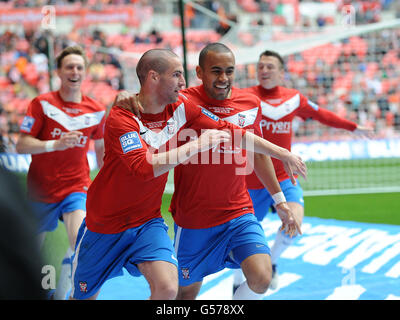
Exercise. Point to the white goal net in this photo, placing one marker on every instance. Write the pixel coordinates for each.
(354, 72)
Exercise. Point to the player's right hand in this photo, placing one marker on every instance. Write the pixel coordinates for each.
(211, 138)
(128, 101)
(290, 225)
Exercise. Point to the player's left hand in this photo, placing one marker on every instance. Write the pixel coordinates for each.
(289, 223)
(128, 101)
(293, 165)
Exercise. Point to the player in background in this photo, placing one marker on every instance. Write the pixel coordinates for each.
(56, 131)
(123, 226)
(215, 225)
(279, 107)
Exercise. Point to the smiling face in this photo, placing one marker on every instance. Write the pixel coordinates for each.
(71, 72)
(270, 72)
(217, 74)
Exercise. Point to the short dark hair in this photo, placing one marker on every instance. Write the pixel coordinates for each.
(153, 59)
(78, 50)
(213, 47)
(269, 53)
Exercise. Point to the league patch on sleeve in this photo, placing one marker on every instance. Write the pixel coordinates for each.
(209, 114)
(313, 105)
(27, 124)
(130, 141)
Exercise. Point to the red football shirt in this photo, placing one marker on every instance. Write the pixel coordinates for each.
(279, 106)
(125, 193)
(54, 175)
(210, 194)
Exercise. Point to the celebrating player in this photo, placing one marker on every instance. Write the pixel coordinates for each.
(56, 131)
(124, 227)
(215, 225)
(279, 106)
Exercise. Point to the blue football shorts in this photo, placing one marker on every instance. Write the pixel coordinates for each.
(99, 257)
(206, 251)
(262, 200)
(48, 214)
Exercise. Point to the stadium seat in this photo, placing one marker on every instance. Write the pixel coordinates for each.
(249, 5)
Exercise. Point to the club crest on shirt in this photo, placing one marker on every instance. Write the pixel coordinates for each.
(83, 286)
(171, 126)
(241, 120)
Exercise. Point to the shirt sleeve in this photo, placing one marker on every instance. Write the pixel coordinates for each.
(309, 109)
(99, 132)
(122, 139)
(33, 121)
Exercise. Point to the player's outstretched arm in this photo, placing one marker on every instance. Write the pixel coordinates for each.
(165, 161)
(264, 169)
(293, 164)
(30, 145)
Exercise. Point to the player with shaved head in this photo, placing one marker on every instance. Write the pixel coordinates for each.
(123, 227)
(215, 226)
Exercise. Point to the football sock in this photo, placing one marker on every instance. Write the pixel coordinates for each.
(238, 277)
(245, 293)
(282, 242)
(64, 281)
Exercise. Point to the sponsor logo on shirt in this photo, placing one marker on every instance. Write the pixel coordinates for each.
(209, 114)
(143, 131)
(313, 105)
(27, 124)
(57, 132)
(130, 141)
(279, 127)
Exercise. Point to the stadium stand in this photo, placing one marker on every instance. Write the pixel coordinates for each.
(357, 77)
